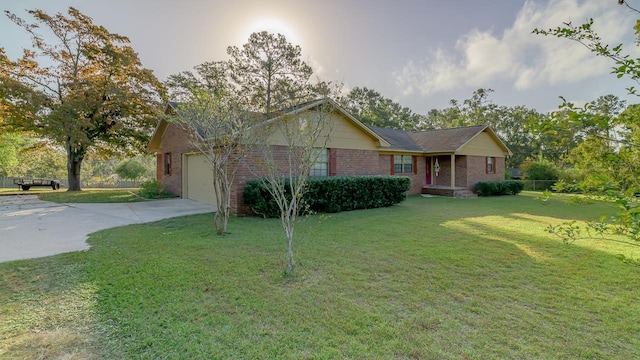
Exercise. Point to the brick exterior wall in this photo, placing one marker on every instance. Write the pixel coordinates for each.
(461, 171)
(444, 175)
(176, 142)
(159, 167)
(348, 162)
(469, 169)
(418, 179)
(356, 162)
(477, 170)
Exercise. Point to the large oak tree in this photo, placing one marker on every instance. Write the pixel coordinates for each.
(80, 86)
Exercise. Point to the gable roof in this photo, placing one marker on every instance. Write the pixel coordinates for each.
(428, 142)
(452, 140)
(436, 141)
(156, 138)
(315, 103)
(398, 139)
(158, 133)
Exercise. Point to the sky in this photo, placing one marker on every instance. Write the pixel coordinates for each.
(420, 53)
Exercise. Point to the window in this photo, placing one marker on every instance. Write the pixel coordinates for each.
(402, 164)
(320, 166)
(167, 163)
(491, 165)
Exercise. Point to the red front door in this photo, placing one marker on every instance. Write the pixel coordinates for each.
(428, 178)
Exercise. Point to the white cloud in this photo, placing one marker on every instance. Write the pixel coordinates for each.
(481, 57)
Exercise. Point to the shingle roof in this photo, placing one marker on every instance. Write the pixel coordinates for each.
(445, 140)
(173, 107)
(399, 139)
(430, 141)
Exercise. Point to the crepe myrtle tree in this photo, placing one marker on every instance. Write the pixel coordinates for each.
(218, 127)
(268, 73)
(81, 87)
(302, 133)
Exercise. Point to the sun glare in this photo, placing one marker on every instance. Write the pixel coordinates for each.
(271, 25)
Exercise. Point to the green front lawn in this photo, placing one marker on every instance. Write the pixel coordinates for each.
(33, 191)
(92, 196)
(119, 195)
(435, 278)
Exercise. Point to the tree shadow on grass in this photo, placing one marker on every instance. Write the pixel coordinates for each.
(504, 205)
(490, 285)
(522, 288)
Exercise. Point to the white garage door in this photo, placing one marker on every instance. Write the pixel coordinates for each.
(199, 179)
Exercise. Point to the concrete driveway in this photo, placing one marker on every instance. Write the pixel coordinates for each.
(30, 227)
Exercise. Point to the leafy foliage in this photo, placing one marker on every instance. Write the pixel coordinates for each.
(218, 126)
(131, 170)
(625, 65)
(227, 105)
(39, 158)
(624, 222)
(373, 109)
(497, 188)
(269, 72)
(608, 155)
(540, 169)
(151, 189)
(333, 194)
(10, 145)
(92, 95)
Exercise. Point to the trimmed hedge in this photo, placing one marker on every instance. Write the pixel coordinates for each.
(334, 194)
(496, 188)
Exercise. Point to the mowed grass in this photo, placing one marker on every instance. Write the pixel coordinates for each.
(33, 191)
(120, 195)
(92, 196)
(435, 278)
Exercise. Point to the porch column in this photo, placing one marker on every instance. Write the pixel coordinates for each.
(453, 171)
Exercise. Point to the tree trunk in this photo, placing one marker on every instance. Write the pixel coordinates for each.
(288, 224)
(291, 265)
(220, 220)
(74, 164)
(222, 190)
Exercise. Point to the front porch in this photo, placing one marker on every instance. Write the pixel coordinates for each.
(440, 190)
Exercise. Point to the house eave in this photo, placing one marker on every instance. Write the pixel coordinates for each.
(493, 135)
(158, 133)
(156, 138)
(399, 151)
(440, 152)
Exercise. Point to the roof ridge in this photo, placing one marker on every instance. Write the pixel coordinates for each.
(453, 128)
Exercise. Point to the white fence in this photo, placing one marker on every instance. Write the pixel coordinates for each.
(8, 183)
